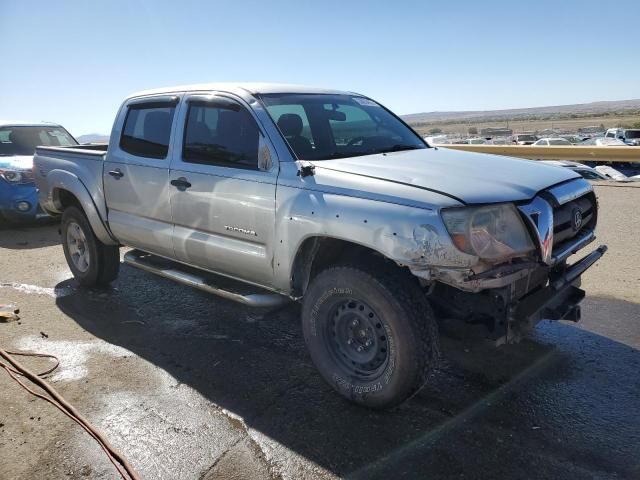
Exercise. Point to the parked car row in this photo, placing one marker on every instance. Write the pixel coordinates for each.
(630, 138)
(18, 141)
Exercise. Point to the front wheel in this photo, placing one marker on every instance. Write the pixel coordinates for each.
(372, 335)
(92, 262)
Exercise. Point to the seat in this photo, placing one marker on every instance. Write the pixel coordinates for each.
(238, 133)
(290, 124)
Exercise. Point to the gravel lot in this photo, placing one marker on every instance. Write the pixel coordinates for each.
(190, 386)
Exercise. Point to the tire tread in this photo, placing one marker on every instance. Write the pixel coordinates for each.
(405, 290)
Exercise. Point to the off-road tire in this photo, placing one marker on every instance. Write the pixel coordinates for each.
(104, 260)
(390, 302)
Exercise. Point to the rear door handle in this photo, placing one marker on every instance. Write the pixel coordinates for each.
(181, 183)
(117, 173)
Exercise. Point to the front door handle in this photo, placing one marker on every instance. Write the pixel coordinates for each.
(117, 173)
(181, 183)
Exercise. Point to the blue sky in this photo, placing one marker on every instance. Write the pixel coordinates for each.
(73, 61)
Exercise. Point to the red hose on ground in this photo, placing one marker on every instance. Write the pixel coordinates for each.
(15, 370)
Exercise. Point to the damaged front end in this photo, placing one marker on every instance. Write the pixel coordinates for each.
(508, 268)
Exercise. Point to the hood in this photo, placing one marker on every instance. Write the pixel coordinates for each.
(17, 162)
(468, 177)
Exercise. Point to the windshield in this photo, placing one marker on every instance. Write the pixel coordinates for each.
(24, 140)
(320, 127)
(632, 134)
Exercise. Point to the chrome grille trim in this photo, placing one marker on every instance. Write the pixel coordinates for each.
(569, 191)
(566, 251)
(539, 214)
(549, 216)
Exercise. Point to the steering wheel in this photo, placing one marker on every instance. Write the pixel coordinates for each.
(355, 140)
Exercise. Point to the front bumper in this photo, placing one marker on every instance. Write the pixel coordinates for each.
(509, 311)
(559, 300)
(12, 196)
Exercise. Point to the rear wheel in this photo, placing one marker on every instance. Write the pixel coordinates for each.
(92, 262)
(371, 334)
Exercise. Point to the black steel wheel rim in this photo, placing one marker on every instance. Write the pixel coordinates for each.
(358, 339)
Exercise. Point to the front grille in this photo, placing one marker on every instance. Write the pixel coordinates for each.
(573, 219)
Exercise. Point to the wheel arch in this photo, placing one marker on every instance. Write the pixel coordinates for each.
(67, 190)
(319, 252)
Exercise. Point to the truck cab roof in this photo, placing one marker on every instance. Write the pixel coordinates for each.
(252, 88)
(21, 123)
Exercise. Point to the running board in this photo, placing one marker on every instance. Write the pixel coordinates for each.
(216, 284)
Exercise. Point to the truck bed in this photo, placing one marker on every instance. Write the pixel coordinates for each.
(57, 166)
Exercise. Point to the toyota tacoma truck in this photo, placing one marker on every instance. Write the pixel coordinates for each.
(266, 194)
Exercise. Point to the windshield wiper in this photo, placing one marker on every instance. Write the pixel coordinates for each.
(399, 148)
(336, 155)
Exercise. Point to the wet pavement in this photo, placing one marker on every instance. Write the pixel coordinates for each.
(189, 386)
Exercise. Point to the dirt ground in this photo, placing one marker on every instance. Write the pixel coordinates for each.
(189, 386)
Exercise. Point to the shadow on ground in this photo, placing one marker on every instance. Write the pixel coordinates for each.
(563, 412)
(43, 233)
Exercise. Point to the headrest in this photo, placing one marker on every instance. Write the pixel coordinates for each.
(290, 124)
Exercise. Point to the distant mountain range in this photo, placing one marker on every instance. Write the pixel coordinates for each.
(93, 138)
(593, 108)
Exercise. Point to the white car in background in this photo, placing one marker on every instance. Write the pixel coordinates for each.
(475, 141)
(630, 136)
(612, 174)
(599, 172)
(585, 171)
(573, 139)
(524, 138)
(499, 141)
(552, 141)
(604, 142)
(437, 140)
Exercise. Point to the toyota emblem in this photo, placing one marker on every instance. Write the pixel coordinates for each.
(577, 219)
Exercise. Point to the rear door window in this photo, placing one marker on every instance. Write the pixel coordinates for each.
(147, 130)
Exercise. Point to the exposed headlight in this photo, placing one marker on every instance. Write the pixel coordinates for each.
(11, 175)
(492, 232)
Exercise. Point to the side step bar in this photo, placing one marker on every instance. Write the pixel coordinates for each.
(208, 282)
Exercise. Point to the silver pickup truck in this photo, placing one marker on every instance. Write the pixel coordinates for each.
(266, 194)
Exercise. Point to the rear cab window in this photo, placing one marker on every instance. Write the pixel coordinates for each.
(147, 129)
